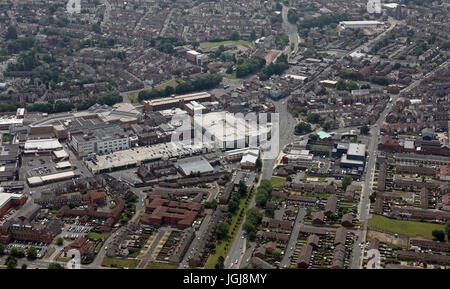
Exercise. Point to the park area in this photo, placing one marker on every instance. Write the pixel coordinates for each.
(120, 262)
(207, 45)
(402, 227)
(277, 182)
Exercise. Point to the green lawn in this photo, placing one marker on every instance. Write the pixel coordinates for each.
(94, 235)
(159, 265)
(207, 45)
(172, 83)
(409, 228)
(277, 182)
(323, 148)
(120, 262)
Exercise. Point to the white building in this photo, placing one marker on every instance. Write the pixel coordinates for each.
(360, 24)
(100, 141)
(226, 130)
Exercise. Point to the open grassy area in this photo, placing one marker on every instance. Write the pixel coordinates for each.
(172, 83)
(316, 147)
(159, 265)
(231, 76)
(120, 262)
(207, 45)
(408, 228)
(95, 235)
(277, 182)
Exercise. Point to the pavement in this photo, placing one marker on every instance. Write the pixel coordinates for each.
(292, 32)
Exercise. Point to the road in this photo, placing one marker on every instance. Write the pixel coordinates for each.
(286, 136)
(291, 30)
(290, 249)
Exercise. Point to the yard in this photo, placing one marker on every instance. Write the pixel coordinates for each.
(408, 228)
(120, 262)
(207, 45)
(277, 182)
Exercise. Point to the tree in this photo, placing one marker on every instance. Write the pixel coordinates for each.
(222, 230)
(292, 16)
(32, 253)
(346, 181)
(220, 262)
(11, 262)
(235, 36)
(313, 118)
(447, 230)
(364, 130)
(303, 128)
(17, 252)
(55, 266)
(11, 34)
(438, 235)
(242, 189)
(258, 164)
(169, 90)
(2, 249)
(313, 137)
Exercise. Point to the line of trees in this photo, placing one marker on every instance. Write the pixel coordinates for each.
(63, 106)
(263, 193)
(208, 82)
(250, 66)
(274, 68)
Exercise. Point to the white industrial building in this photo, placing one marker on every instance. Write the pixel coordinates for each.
(225, 130)
(360, 24)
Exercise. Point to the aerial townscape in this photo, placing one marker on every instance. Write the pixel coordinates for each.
(224, 134)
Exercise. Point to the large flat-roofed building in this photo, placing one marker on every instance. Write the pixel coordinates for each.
(42, 146)
(360, 24)
(175, 101)
(195, 165)
(41, 180)
(355, 157)
(101, 140)
(356, 151)
(161, 211)
(225, 130)
(8, 200)
(136, 156)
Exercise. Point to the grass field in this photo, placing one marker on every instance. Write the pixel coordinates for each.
(159, 265)
(120, 262)
(172, 83)
(320, 147)
(94, 235)
(207, 45)
(277, 182)
(408, 228)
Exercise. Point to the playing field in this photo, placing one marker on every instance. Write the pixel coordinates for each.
(408, 228)
(207, 45)
(277, 182)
